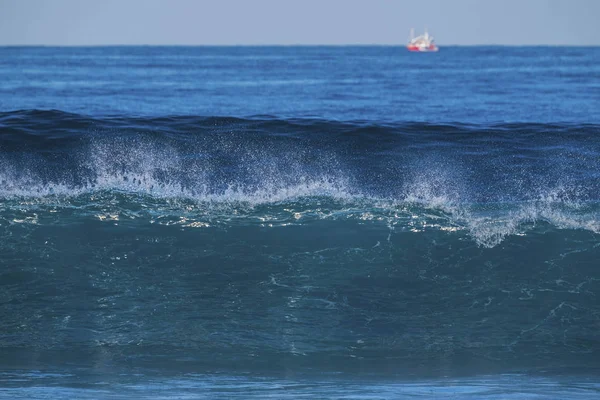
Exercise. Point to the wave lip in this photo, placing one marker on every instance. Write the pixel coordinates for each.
(47, 121)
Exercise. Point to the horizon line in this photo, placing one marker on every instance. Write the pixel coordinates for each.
(299, 45)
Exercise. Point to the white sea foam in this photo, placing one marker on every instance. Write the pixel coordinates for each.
(490, 224)
(143, 168)
(160, 179)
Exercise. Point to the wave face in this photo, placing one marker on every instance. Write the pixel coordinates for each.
(271, 244)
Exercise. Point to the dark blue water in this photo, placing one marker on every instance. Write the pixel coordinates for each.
(303, 222)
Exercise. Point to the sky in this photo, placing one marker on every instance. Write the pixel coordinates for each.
(288, 22)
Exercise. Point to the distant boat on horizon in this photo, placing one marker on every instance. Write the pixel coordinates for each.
(421, 43)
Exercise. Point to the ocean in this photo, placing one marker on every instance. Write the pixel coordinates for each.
(299, 222)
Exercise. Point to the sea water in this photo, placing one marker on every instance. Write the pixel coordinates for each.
(299, 222)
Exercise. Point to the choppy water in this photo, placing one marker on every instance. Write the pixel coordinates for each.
(329, 222)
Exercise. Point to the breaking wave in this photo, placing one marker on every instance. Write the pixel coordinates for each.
(486, 182)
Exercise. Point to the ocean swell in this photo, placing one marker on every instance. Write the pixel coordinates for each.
(265, 244)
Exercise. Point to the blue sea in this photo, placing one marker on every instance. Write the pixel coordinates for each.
(299, 222)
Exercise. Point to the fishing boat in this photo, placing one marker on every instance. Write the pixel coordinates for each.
(422, 43)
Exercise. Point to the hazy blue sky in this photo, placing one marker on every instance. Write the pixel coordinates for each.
(190, 22)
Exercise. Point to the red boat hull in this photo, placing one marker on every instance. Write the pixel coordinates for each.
(431, 47)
